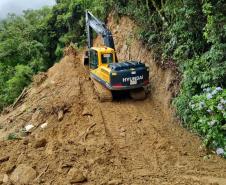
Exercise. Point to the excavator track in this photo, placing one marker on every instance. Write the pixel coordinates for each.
(104, 94)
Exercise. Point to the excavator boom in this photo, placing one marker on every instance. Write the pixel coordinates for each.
(92, 23)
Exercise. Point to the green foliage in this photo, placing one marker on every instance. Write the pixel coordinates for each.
(34, 41)
(22, 53)
(12, 136)
(208, 114)
(21, 78)
(68, 18)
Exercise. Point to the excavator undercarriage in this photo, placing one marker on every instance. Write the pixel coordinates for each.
(104, 94)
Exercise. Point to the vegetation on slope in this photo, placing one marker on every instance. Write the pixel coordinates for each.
(190, 33)
(34, 41)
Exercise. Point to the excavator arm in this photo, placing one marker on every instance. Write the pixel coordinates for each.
(92, 23)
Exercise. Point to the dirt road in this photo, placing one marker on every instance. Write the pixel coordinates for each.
(93, 143)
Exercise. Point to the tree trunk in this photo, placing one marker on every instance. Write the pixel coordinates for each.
(159, 12)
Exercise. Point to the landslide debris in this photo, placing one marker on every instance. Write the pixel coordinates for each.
(120, 142)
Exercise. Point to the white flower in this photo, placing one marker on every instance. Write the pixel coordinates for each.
(219, 89)
(220, 107)
(192, 106)
(208, 89)
(202, 104)
(209, 96)
(224, 114)
(209, 111)
(223, 101)
(214, 92)
(214, 143)
(212, 123)
(220, 151)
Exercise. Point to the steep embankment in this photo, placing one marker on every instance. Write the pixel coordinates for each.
(164, 82)
(120, 142)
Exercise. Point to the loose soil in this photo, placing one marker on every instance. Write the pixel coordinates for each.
(121, 142)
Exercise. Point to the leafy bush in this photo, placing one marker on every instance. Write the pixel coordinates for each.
(23, 53)
(208, 115)
(16, 84)
(12, 136)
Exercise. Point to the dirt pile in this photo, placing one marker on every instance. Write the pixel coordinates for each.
(76, 139)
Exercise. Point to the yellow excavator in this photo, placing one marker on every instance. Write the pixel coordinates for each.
(106, 72)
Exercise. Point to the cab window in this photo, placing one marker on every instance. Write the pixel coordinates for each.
(107, 58)
(93, 59)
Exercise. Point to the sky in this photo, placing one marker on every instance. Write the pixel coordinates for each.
(17, 6)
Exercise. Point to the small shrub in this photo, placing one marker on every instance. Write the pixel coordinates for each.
(209, 117)
(12, 136)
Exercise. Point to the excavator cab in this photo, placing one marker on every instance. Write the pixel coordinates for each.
(99, 56)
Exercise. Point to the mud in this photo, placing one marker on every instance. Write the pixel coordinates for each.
(121, 142)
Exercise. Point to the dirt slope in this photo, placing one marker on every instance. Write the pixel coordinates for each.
(120, 142)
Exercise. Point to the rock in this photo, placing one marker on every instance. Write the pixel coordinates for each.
(1, 178)
(123, 134)
(29, 128)
(4, 159)
(67, 165)
(4, 178)
(138, 131)
(23, 174)
(76, 176)
(44, 125)
(25, 141)
(122, 129)
(138, 119)
(60, 115)
(40, 143)
(115, 182)
(85, 112)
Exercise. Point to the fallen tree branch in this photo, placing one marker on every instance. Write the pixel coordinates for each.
(88, 130)
(41, 174)
(24, 92)
(85, 133)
